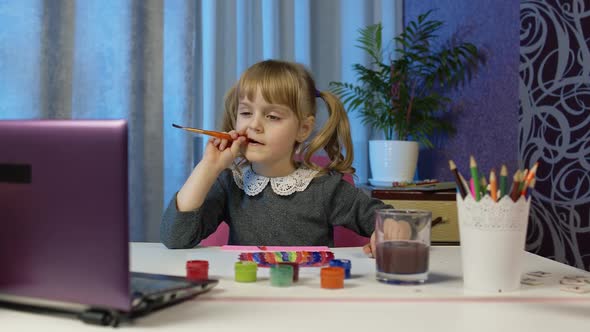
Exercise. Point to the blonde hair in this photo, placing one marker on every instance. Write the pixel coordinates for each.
(291, 85)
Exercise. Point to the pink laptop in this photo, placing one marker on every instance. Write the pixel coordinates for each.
(64, 244)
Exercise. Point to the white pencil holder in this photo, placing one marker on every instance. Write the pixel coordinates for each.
(493, 236)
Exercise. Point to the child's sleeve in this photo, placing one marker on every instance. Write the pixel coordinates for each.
(181, 230)
(352, 208)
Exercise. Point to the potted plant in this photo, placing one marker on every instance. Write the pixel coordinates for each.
(403, 96)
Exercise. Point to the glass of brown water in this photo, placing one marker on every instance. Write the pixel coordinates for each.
(403, 245)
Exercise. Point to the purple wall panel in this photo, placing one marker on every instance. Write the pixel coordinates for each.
(529, 103)
(555, 125)
(485, 110)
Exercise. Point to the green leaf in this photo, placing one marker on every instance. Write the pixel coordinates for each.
(421, 75)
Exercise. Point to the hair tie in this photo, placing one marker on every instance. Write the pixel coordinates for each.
(318, 93)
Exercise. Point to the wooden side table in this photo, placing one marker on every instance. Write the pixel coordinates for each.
(442, 204)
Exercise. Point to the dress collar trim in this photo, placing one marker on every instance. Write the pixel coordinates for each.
(253, 184)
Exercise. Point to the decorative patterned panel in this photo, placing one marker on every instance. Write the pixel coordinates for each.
(554, 125)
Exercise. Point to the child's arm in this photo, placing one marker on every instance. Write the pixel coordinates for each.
(219, 155)
(181, 230)
(352, 208)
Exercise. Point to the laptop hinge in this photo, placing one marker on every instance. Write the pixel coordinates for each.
(92, 316)
(100, 317)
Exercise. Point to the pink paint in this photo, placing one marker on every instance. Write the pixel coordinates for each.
(273, 248)
(467, 299)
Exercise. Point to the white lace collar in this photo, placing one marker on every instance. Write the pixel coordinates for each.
(253, 184)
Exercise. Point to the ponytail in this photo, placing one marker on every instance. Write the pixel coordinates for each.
(230, 105)
(334, 137)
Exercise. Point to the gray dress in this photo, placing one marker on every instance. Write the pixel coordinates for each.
(303, 218)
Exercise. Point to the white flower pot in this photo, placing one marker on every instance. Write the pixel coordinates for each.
(392, 161)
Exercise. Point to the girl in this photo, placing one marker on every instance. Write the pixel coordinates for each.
(256, 183)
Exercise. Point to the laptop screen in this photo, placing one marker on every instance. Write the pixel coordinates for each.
(64, 211)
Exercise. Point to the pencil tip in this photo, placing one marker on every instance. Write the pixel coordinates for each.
(504, 170)
(176, 126)
(452, 165)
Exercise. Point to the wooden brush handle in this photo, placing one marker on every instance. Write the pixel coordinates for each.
(217, 134)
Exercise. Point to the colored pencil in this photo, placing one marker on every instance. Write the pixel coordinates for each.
(503, 181)
(515, 186)
(458, 181)
(475, 177)
(472, 188)
(523, 176)
(465, 183)
(530, 188)
(493, 186)
(483, 185)
(530, 177)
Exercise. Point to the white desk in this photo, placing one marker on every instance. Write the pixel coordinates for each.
(439, 305)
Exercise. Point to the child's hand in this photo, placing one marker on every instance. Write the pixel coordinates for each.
(220, 153)
(369, 248)
(392, 230)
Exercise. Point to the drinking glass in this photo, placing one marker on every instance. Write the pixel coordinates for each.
(402, 245)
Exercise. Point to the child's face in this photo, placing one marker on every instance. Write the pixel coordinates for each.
(273, 131)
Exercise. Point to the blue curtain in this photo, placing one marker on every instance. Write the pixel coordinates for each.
(157, 62)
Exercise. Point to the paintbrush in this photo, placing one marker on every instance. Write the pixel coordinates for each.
(217, 134)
